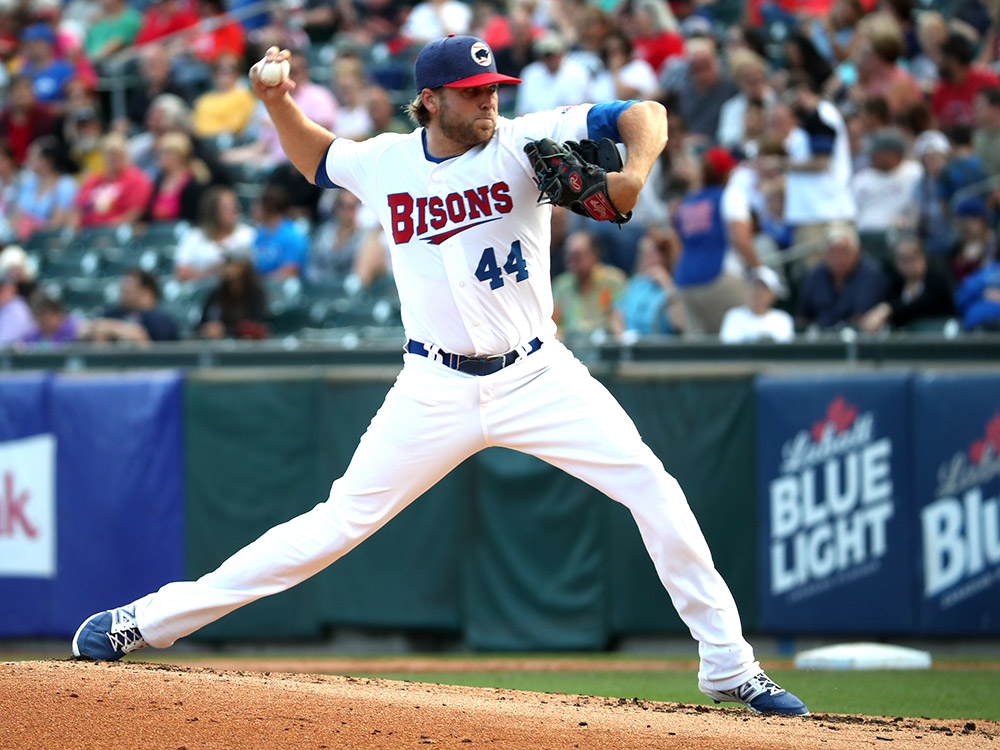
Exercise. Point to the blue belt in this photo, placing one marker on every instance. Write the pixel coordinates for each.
(472, 365)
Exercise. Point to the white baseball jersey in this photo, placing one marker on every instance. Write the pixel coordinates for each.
(469, 241)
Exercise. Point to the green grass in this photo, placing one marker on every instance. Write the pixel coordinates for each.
(945, 694)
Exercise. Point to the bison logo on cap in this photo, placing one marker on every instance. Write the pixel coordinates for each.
(481, 54)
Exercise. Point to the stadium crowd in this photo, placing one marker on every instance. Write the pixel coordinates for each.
(831, 163)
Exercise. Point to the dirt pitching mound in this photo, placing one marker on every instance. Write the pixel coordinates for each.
(63, 704)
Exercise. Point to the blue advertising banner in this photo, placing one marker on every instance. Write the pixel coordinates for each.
(91, 496)
(833, 478)
(957, 492)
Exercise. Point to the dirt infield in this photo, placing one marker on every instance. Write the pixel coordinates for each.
(63, 704)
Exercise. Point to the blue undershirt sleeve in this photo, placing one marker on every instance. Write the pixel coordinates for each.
(602, 120)
(322, 178)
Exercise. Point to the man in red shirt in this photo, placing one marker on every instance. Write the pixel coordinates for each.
(953, 100)
(116, 195)
(164, 17)
(24, 119)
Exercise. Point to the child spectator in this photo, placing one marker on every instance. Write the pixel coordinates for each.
(758, 320)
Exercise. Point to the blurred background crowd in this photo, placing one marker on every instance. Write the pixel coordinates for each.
(831, 164)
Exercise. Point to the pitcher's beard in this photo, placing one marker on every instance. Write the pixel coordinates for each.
(467, 133)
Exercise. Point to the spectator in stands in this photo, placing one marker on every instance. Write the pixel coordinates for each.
(953, 100)
(156, 80)
(47, 72)
(883, 192)
(585, 294)
(80, 128)
(433, 19)
(217, 36)
(352, 119)
(879, 73)
(10, 181)
(336, 242)
(804, 62)
(163, 18)
(166, 114)
(917, 291)
(384, 113)
(844, 286)
(16, 321)
(226, 108)
(622, 76)
(46, 194)
(181, 180)
(280, 247)
(986, 136)
(657, 35)
(932, 32)
(709, 273)
(933, 216)
(118, 194)
(52, 324)
(554, 80)
(137, 316)
(220, 232)
(17, 265)
(236, 308)
(963, 170)
(977, 242)
(978, 299)
(818, 168)
(114, 29)
(649, 303)
(24, 118)
(834, 34)
(705, 89)
(750, 74)
(758, 320)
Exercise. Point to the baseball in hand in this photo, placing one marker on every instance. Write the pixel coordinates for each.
(274, 72)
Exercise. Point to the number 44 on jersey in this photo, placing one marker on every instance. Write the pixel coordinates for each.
(489, 270)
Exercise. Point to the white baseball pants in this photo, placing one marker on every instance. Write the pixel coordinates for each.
(432, 419)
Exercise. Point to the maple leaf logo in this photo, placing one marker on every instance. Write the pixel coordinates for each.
(839, 414)
(991, 439)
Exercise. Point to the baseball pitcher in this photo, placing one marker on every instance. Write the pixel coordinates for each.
(464, 204)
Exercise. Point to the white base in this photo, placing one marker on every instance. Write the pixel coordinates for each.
(845, 656)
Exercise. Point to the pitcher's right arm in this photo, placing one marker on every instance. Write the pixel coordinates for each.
(303, 141)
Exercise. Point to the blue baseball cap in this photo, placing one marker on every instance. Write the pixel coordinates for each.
(39, 32)
(457, 62)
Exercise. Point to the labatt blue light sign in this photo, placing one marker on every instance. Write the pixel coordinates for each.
(958, 490)
(832, 479)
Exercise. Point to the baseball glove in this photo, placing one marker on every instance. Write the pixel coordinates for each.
(575, 176)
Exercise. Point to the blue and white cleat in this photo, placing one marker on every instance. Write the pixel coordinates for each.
(761, 695)
(108, 636)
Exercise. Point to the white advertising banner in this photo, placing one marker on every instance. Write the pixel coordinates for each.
(28, 507)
